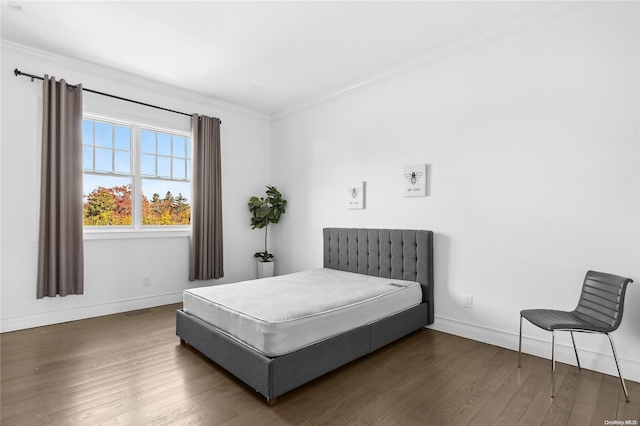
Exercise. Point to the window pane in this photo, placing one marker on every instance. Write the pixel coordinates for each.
(188, 147)
(164, 144)
(165, 202)
(179, 146)
(148, 165)
(189, 170)
(164, 167)
(106, 201)
(87, 159)
(123, 138)
(103, 160)
(148, 141)
(179, 169)
(103, 135)
(122, 162)
(87, 132)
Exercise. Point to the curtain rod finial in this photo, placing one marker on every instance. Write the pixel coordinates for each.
(17, 72)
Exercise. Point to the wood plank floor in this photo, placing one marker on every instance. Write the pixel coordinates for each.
(130, 369)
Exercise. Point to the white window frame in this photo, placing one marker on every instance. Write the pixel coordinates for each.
(136, 229)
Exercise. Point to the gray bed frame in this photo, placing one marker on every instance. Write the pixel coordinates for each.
(390, 253)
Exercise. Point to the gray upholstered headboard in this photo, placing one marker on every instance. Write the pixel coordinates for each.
(390, 253)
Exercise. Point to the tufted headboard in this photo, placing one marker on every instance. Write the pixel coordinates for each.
(391, 253)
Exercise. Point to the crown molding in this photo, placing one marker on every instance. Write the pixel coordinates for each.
(126, 79)
(497, 32)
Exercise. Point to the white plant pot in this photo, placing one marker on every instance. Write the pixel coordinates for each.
(265, 269)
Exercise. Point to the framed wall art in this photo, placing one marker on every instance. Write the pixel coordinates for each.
(355, 195)
(414, 180)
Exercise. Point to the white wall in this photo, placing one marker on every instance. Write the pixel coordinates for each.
(114, 269)
(532, 145)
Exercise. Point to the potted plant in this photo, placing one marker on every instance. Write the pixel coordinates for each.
(265, 211)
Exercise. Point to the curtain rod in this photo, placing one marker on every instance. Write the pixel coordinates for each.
(17, 73)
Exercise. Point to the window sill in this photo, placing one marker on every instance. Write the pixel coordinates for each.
(119, 234)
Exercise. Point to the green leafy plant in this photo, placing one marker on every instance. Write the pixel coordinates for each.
(265, 211)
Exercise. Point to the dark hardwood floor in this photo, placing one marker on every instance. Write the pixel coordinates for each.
(130, 369)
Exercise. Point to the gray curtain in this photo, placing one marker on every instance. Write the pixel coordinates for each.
(205, 259)
(60, 244)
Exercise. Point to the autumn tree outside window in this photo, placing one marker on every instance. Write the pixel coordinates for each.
(135, 176)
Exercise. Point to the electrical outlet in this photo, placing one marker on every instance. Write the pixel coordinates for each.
(146, 281)
(468, 302)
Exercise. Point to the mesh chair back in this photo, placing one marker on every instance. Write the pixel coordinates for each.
(602, 299)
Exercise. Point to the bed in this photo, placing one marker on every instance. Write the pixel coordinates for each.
(272, 366)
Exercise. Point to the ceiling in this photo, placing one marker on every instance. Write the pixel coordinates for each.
(265, 56)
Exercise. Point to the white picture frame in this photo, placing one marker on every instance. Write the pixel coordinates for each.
(414, 179)
(355, 195)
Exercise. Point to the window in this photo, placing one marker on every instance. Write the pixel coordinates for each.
(135, 176)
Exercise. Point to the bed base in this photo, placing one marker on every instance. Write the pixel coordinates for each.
(272, 377)
(392, 253)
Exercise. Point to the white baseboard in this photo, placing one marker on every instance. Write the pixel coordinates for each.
(601, 362)
(21, 322)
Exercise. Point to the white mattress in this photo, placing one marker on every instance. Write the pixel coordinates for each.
(282, 314)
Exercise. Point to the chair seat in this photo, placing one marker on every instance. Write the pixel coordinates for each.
(550, 319)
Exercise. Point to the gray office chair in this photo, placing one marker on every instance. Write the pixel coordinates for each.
(599, 310)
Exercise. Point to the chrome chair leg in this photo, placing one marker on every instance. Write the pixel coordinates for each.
(553, 362)
(615, 357)
(520, 342)
(575, 350)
